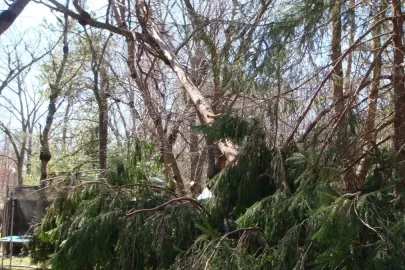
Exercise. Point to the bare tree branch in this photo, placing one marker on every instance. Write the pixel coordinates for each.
(7, 17)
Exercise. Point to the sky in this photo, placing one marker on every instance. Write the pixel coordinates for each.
(34, 14)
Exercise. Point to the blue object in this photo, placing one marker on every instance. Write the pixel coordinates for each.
(16, 239)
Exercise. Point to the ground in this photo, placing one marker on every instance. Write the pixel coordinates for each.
(17, 263)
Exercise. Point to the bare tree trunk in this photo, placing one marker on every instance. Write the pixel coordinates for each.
(349, 176)
(134, 113)
(348, 82)
(369, 123)
(399, 94)
(199, 67)
(113, 124)
(101, 88)
(204, 110)
(32, 122)
(103, 133)
(170, 140)
(171, 162)
(196, 162)
(336, 53)
(214, 162)
(66, 120)
(169, 159)
(24, 128)
(166, 146)
(29, 147)
(276, 106)
(45, 153)
(103, 121)
(20, 166)
(215, 152)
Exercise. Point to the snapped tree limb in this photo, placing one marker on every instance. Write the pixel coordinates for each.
(204, 110)
(153, 37)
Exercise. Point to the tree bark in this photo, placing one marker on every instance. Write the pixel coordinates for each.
(66, 120)
(369, 123)
(45, 152)
(24, 128)
(7, 17)
(103, 122)
(352, 34)
(213, 158)
(349, 176)
(29, 148)
(101, 88)
(198, 66)
(336, 53)
(196, 162)
(399, 94)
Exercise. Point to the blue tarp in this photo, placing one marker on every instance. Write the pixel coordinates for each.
(16, 239)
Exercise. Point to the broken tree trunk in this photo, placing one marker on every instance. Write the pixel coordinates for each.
(204, 110)
(152, 36)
